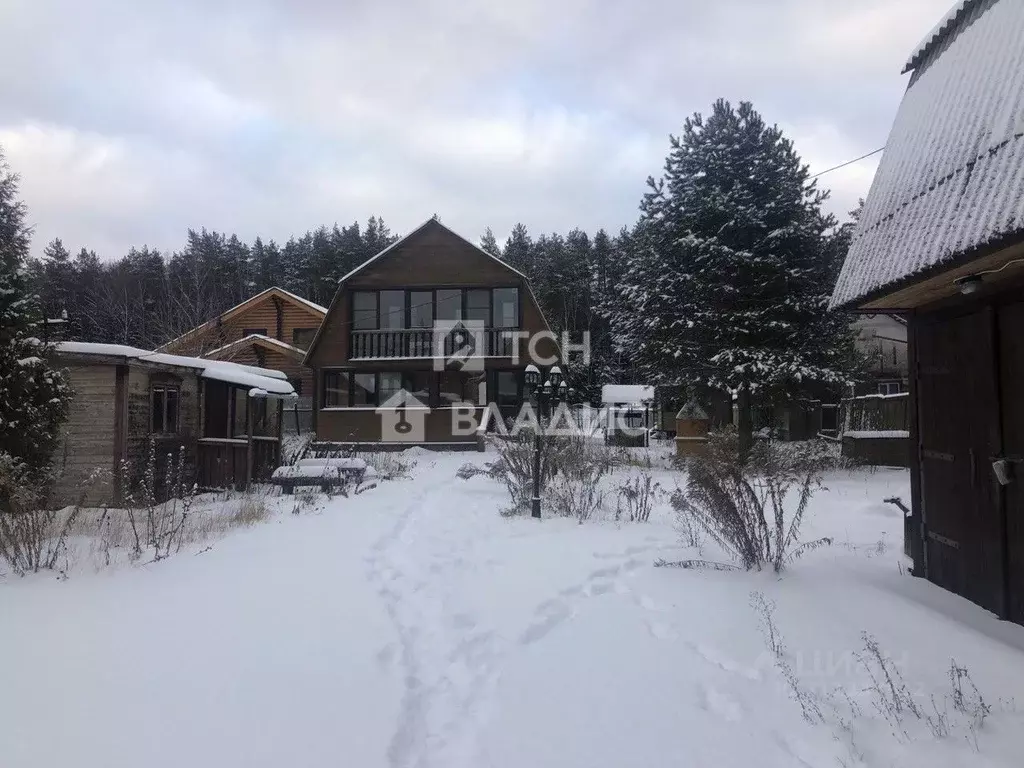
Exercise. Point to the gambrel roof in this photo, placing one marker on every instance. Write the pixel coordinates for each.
(951, 180)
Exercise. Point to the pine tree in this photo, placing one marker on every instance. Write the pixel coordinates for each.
(729, 283)
(33, 396)
(489, 243)
(518, 250)
(59, 279)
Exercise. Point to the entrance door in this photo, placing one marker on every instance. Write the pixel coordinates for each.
(1011, 344)
(959, 432)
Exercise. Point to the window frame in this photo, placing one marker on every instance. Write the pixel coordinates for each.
(165, 388)
(435, 302)
(376, 310)
(254, 332)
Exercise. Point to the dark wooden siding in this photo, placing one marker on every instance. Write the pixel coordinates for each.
(957, 397)
(1011, 357)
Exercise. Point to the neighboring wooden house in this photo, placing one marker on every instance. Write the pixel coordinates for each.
(941, 241)
(381, 339)
(882, 339)
(273, 329)
(225, 417)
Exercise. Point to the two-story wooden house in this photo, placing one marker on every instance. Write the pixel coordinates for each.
(273, 329)
(393, 333)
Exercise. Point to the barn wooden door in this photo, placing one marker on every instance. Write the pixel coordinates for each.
(1011, 345)
(959, 432)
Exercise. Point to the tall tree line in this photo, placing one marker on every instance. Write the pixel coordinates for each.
(145, 297)
(720, 287)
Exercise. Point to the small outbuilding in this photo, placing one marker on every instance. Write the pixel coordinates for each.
(220, 422)
(941, 243)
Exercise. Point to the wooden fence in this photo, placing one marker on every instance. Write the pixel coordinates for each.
(877, 413)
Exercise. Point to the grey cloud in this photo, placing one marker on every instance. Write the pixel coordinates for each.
(132, 121)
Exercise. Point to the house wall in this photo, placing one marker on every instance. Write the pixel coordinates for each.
(967, 375)
(360, 425)
(87, 437)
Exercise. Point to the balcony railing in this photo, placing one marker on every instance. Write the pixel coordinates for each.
(426, 343)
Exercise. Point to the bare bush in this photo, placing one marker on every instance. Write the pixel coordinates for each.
(962, 710)
(636, 497)
(388, 466)
(32, 537)
(159, 526)
(567, 465)
(514, 467)
(752, 509)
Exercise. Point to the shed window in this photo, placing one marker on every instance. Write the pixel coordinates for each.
(889, 387)
(164, 403)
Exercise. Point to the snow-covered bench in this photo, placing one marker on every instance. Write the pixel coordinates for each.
(327, 473)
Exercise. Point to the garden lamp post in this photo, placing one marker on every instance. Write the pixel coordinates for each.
(541, 395)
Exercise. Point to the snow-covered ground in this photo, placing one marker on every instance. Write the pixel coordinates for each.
(412, 625)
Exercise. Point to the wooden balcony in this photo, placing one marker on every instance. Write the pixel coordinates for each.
(413, 343)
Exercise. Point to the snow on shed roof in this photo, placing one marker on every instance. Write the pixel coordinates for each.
(270, 381)
(929, 41)
(626, 394)
(951, 179)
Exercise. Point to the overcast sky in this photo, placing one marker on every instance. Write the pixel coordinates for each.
(131, 121)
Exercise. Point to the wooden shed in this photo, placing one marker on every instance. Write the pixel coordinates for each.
(221, 420)
(941, 241)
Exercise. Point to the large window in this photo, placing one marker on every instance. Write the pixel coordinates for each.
(507, 392)
(506, 308)
(364, 310)
(392, 309)
(460, 387)
(164, 401)
(303, 337)
(478, 305)
(364, 389)
(421, 309)
(335, 392)
(396, 309)
(449, 304)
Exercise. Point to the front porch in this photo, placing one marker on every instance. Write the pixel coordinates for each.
(240, 441)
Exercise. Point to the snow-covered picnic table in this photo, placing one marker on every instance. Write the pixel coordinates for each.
(323, 472)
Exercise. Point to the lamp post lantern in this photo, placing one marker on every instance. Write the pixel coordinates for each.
(554, 387)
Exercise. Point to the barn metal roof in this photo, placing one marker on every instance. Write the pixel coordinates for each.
(951, 179)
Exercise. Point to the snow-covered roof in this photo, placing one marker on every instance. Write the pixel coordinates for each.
(257, 338)
(951, 179)
(939, 31)
(626, 394)
(272, 291)
(271, 382)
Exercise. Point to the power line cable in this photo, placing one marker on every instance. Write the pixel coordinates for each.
(848, 162)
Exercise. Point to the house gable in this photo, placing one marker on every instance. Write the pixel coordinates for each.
(431, 256)
(256, 315)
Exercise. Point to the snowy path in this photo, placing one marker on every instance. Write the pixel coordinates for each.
(412, 626)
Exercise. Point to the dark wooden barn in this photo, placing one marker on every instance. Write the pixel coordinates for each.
(941, 241)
